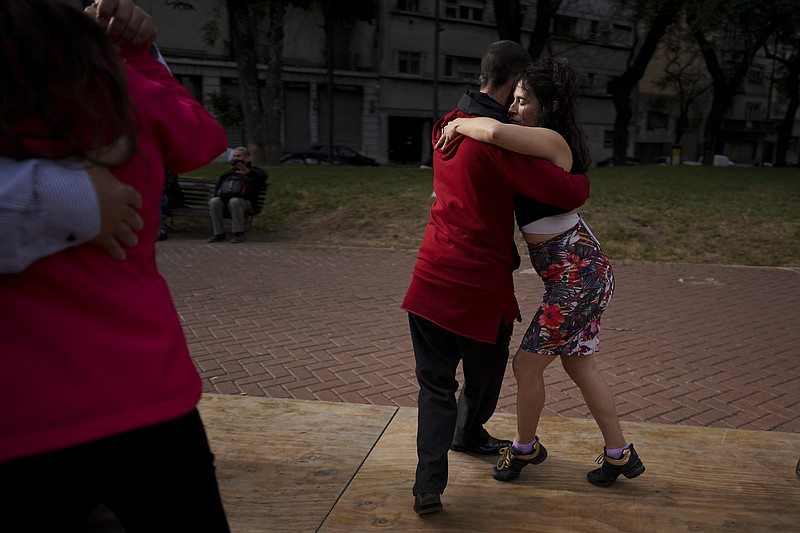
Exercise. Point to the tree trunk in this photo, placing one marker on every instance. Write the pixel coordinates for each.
(245, 52)
(545, 12)
(508, 15)
(683, 122)
(725, 86)
(784, 129)
(622, 104)
(272, 53)
(713, 143)
(620, 87)
(262, 120)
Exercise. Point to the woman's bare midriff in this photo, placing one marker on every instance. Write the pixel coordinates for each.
(536, 238)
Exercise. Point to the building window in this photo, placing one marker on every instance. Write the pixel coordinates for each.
(464, 9)
(755, 76)
(591, 83)
(598, 32)
(409, 63)
(564, 26)
(621, 34)
(408, 5)
(752, 111)
(449, 66)
(586, 82)
(471, 13)
(193, 84)
(608, 139)
(656, 120)
(465, 69)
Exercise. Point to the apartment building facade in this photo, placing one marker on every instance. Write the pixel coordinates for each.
(394, 75)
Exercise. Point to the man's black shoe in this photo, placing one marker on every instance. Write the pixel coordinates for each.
(427, 502)
(491, 446)
(217, 238)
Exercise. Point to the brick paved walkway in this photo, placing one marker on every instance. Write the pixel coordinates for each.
(705, 345)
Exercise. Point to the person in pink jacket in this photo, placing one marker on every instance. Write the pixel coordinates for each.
(100, 394)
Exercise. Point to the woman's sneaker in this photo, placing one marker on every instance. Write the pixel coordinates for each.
(629, 465)
(511, 463)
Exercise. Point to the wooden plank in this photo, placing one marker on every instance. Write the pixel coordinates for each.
(697, 479)
(282, 464)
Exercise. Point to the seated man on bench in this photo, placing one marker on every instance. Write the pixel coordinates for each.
(237, 190)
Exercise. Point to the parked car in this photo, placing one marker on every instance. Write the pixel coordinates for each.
(722, 161)
(318, 154)
(309, 157)
(348, 155)
(609, 161)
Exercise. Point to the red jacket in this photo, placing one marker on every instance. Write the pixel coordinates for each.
(92, 346)
(462, 279)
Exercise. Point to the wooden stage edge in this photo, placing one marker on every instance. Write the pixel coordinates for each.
(306, 466)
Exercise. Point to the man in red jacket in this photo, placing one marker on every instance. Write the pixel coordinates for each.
(461, 301)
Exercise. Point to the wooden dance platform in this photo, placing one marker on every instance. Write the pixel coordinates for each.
(306, 466)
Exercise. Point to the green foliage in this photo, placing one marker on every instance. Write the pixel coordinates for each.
(741, 216)
(226, 108)
(210, 32)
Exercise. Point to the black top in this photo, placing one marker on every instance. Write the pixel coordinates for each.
(480, 104)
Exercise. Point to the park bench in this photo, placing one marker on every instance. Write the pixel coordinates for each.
(197, 193)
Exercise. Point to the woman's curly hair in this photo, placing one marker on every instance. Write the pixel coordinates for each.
(62, 91)
(555, 85)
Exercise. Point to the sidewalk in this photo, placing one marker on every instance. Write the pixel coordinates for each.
(693, 345)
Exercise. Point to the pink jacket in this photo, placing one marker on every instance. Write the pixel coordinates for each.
(91, 346)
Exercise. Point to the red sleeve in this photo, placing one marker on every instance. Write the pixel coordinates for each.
(542, 180)
(189, 135)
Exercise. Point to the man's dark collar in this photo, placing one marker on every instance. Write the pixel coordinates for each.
(481, 104)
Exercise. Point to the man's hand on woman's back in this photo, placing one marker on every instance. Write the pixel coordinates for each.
(119, 220)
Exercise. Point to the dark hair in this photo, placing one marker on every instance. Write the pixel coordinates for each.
(62, 91)
(502, 62)
(555, 86)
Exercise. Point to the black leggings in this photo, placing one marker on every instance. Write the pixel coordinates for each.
(158, 478)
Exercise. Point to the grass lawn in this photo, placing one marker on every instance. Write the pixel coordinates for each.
(742, 216)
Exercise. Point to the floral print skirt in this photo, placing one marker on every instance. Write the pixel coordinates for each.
(578, 284)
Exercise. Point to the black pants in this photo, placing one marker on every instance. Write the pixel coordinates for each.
(154, 479)
(441, 420)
